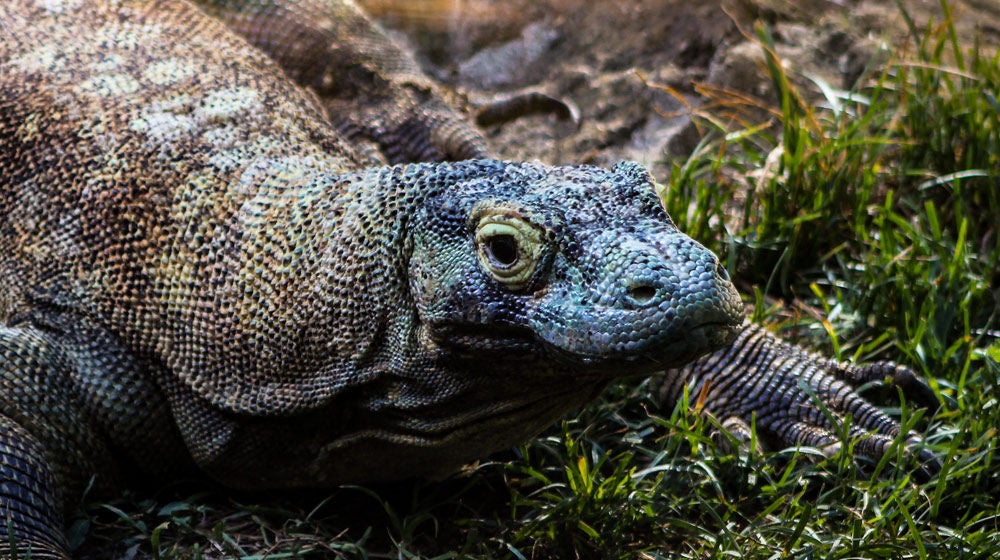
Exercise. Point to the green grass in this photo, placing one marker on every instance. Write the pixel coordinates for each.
(865, 224)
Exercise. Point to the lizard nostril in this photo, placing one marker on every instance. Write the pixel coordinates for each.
(721, 271)
(642, 294)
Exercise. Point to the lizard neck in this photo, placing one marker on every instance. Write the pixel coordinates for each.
(316, 297)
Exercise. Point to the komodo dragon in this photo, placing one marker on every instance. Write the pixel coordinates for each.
(197, 271)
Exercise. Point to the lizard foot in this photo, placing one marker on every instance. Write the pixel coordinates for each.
(797, 398)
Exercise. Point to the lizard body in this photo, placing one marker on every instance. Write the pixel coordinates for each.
(199, 271)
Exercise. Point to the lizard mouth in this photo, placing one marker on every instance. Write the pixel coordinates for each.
(647, 338)
(655, 355)
(522, 345)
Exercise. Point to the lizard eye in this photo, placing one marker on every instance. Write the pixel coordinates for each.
(508, 249)
(502, 251)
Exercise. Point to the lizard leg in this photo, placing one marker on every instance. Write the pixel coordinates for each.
(372, 89)
(30, 513)
(47, 445)
(797, 398)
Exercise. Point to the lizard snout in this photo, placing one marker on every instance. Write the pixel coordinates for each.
(656, 272)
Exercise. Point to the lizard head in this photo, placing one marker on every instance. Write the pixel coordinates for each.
(578, 266)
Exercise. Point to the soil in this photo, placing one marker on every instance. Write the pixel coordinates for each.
(632, 66)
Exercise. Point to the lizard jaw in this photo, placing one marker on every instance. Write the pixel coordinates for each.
(657, 353)
(516, 346)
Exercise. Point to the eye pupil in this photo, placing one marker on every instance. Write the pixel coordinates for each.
(502, 250)
(508, 249)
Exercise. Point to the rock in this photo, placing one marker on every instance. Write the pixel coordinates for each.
(513, 64)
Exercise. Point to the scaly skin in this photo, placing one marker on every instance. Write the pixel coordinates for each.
(199, 272)
(374, 92)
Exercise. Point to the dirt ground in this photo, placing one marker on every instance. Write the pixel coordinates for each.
(612, 57)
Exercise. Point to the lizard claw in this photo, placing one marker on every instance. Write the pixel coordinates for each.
(797, 398)
(914, 387)
(523, 104)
